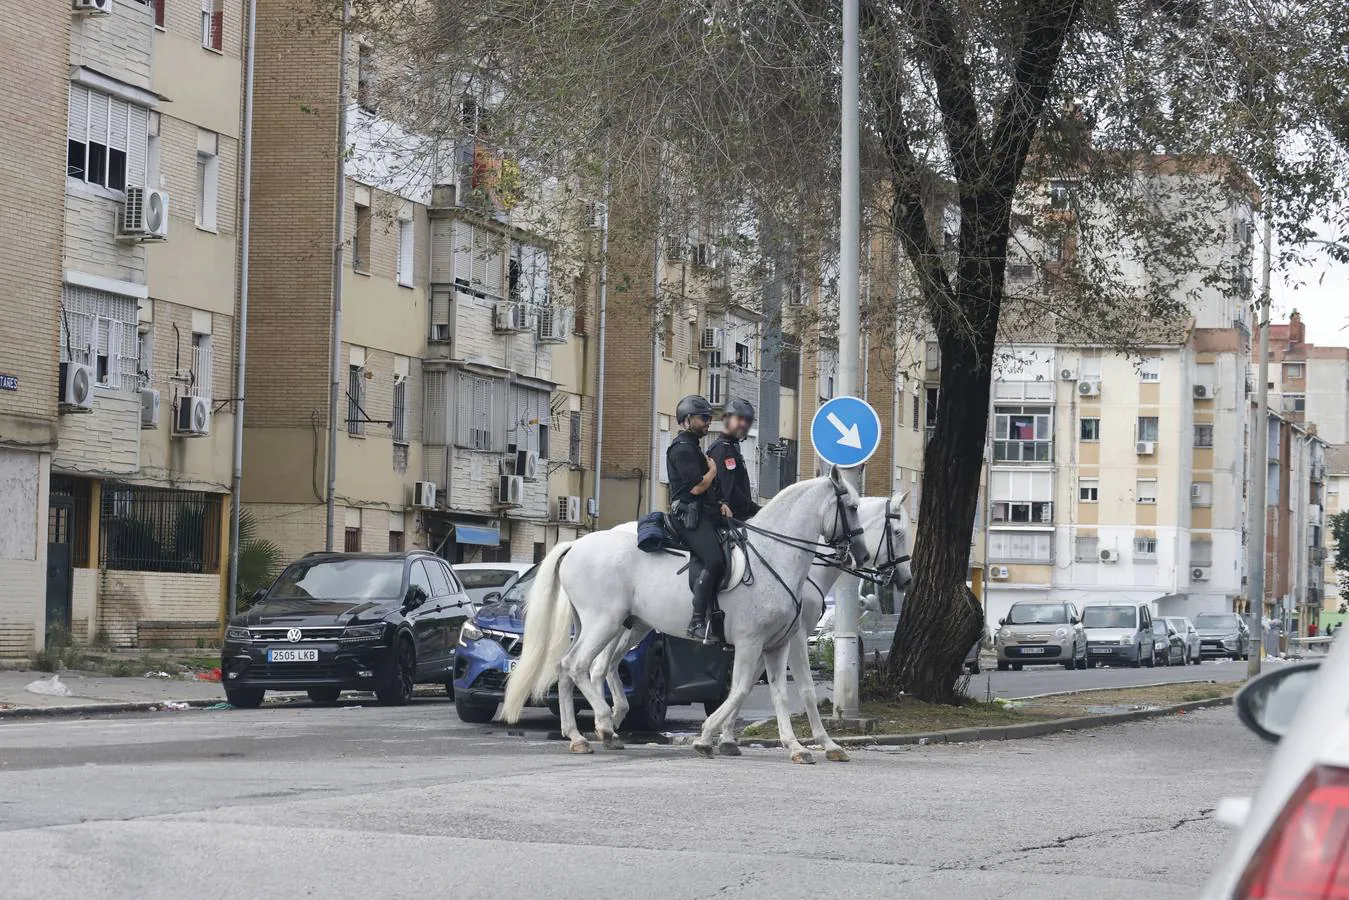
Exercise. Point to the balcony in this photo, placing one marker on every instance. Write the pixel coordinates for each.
(1023, 451)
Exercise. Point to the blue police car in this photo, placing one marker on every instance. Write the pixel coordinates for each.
(658, 673)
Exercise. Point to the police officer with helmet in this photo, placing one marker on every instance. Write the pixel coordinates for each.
(696, 506)
(732, 475)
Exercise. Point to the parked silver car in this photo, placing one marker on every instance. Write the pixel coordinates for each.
(1038, 633)
(1120, 633)
(1185, 628)
(1223, 634)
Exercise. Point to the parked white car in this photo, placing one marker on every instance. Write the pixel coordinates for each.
(1292, 840)
(1185, 628)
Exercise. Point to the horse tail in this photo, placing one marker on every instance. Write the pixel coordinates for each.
(548, 616)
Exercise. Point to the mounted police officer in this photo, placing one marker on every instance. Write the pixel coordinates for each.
(732, 474)
(696, 506)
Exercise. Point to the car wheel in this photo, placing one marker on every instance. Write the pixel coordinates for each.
(652, 703)
(1002, 666)
(1198, 658)
(244, 698)
(324, 696)
(398, 682)
(1137, 661)
(449, 688)
(474, 712)
(1084, 663)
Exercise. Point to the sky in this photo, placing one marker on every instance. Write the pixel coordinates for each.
(1320, 292)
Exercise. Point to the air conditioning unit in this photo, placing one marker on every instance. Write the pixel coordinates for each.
(193, 417)
(550, 325)
(710, 341)
(1198, 574)
(595, 214)
(1109, 556)
(527, 464)
(77, 386)
(998, 572)
(676, 249)
(1202, 392)
(1194, 492)
(1068, 374)
(510, 316)
(145, 215)
(510, 490)
(149, 408)
(424, 494)
(92, 7)
(569, 510)
(1145, 448)
(1089, 389)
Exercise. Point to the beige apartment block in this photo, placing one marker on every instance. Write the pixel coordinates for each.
(1337, 501)
(134, 291)
(1309, 384)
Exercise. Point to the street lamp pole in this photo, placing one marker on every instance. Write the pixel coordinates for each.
(339, 242)
(847, 603)
(1259, 490)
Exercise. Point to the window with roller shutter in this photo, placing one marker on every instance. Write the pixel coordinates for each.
(441, 307)
(106, 139)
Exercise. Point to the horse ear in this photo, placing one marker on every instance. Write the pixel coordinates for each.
(899, 498)
(835, 474)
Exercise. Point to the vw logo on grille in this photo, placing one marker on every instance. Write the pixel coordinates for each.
(293, 635)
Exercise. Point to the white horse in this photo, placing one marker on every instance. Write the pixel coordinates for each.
(603, 581)
(885, 528)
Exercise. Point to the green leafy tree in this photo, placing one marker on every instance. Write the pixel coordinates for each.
(1339, 530)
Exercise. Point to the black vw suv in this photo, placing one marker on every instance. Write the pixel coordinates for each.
(347, 621)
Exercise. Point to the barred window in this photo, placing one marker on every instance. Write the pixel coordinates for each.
(478, 428)
(98, 329)
(355, 400)
(400, 410)
(574, 441)
(158, 530)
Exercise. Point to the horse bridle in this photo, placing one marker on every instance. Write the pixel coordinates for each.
(895, 560)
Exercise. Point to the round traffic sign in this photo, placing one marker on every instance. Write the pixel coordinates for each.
(845, 432)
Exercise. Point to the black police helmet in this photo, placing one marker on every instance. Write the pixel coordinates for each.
(739, 406)
(692, 405)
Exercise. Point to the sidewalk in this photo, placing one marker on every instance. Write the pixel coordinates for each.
(97, 690)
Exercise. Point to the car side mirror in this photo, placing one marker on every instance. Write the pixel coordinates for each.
(259, 594)
(870, 603)
(416, 596)
(492, 597)
(1074, 620)
(1002, 621)
(1268, 704)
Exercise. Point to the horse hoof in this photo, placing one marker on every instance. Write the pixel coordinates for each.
(729, 748)
(837, 755)
(803, 757)
(612, 742)
(703, 750)
(581, 746)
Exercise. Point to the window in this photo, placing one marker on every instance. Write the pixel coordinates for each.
(1021, 546)
(98, 329)
(692, 336)
(789, 367)
(1151, 369)
(1090, 429)
(1086, 549)
(396, 542)
(1145, 548)
(1294, 402)
(668, 348)
(106, 140)
(1089, 490)
(1147, 428)
(1145, 490)
(158, 530)
(440, 317)
(1292, 371)
(360, 244)
(743, 361)
(201, 366)
(351, 540)
(1203, 435)
(1023, 511)
(1022, 434)
(664, 446)
(400, 409)
(208, 178)
(715, 382)
(159, 13)
(477, 258)
(1060, 194)
(1201, 552)
(213, 24)
(477, 429)
(1022, 497)
(417, 577)
(365, 78)
(440, 584)
(1201, 493)
(145, 354)
(932, 403)
(574, 440)
(916, 411)
(356, 393)
(406, 252)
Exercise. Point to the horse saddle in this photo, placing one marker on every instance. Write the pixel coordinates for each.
(655, 534)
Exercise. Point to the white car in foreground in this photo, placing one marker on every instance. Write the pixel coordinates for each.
(1294, 833)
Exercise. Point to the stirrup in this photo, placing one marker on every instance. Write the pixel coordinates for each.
(699, 631)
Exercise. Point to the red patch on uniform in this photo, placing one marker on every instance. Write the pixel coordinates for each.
(730, 463)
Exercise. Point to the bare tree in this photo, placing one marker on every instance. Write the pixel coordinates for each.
(1154, 113)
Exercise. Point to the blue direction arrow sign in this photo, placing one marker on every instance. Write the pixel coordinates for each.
(845, 432)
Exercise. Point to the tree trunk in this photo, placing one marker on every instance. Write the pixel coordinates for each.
(939, 623)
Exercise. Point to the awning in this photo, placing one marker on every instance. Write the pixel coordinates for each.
(476, 534)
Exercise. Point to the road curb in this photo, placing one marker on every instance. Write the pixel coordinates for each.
(1130, 687)
(85, 709)
(1003, 732)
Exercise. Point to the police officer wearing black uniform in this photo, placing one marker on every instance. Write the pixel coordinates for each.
(696, 506)
(732, 476)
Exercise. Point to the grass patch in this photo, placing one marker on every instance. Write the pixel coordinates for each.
(905, 715)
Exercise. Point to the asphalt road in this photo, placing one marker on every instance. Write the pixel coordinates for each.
(401, 803)
(1033, 680)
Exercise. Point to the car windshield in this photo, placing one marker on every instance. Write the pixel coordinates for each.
(340, 579)
(1109, 617)
(484, 578)
(521, 587)
(1158, 626)
(1037, 614)
(1178, 624)
(1216, 620)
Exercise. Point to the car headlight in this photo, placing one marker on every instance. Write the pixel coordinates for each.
(357, 632)
(237, 633)
(469, 632)
(1125, 641)
(1061, 633)
(1004, 635)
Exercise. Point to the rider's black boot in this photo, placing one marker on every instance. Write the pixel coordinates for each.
(697, 629)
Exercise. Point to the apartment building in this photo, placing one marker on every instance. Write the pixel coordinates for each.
(1337, 487)
(131, 344)
(448, 425)
(1309, 384)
